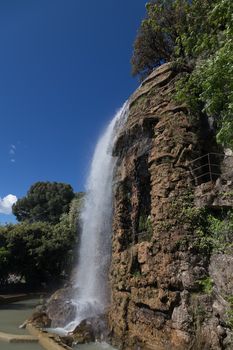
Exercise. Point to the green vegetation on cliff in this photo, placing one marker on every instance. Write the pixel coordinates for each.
(197, 34)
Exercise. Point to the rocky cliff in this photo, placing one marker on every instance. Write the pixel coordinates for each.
(167, 290)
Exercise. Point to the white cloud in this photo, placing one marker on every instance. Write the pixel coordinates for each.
(6, 204)
(12, 151)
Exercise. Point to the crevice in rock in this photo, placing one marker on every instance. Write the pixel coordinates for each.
(156, 312)
(142, 223)
(135, 267)
(148, 125)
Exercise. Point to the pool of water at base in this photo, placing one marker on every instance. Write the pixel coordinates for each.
(13, 315)
(19, 346)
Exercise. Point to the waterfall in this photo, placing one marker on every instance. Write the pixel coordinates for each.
(96, 218)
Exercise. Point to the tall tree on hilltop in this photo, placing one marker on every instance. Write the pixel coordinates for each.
(45, 201)
(159, 38)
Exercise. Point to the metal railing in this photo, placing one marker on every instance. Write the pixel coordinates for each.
(209, 167)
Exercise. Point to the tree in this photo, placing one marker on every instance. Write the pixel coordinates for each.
(4, 256)
(159, 38)
(23, 242)
(40, 252)
(75, 210)
(45, 201)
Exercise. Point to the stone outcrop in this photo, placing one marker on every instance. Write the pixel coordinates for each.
(60, 309)
(40, 318)
(90, 330)
(157, 302)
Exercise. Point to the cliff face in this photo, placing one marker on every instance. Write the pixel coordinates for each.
(157, 302)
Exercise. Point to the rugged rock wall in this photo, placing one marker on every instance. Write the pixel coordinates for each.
(155, 274)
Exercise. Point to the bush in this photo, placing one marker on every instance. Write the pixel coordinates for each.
(40, 252)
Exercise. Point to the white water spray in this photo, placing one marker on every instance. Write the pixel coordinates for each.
(96, 217)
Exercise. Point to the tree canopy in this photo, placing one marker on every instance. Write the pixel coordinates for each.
(40, 249)
(37, 252)
(45, 201)
(159, 38)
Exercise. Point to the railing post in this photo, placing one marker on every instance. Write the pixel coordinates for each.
(211, 179)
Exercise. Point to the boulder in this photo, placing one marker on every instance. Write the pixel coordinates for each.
(91, 329)
(83, 333)
(60, 308)
(40, 319)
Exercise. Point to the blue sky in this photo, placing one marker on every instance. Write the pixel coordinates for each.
(64, 71)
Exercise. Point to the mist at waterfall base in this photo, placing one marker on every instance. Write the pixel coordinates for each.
(96, 220)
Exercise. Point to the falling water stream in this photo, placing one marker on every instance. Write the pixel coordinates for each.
(96, 217)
